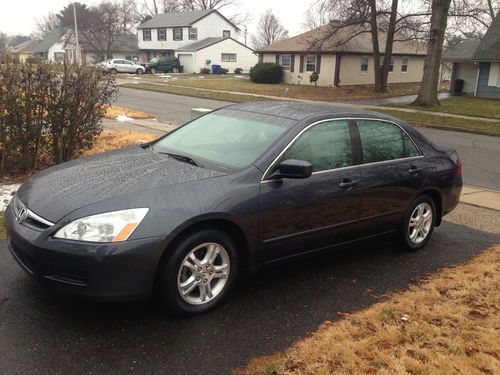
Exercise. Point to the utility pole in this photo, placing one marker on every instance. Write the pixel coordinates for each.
(76, 37)
(246, 33)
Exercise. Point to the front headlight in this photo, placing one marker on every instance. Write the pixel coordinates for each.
(108, 227)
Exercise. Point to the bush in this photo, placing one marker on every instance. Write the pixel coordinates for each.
(266, 73)
(51, 113)
(224, 71)
(205, 71)
(313, 78)
(238, 71)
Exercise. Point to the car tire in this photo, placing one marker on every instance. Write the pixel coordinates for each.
(418, 224)
(139, 71)
(175, 69)
(188, 286)
(153, 70)
(113, 71)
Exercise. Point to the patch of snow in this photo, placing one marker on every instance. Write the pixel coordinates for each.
(135, 82)
(239, 76)
(6, 194)
(138, 78)
(123, 118)
(165, 76)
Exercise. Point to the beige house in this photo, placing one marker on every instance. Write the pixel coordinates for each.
(23, 51)
(342, 59)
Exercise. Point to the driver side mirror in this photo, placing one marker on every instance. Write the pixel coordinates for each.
(293, 168)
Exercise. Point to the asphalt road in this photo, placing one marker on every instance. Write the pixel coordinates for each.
(44, 332)
(480, 154)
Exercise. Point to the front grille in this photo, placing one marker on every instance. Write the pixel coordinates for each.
(28, 262)
(30, 218)
(72, 276)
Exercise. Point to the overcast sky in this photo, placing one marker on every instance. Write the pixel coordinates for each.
(18, 17)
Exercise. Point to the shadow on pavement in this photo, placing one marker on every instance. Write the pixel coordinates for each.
(42, 331)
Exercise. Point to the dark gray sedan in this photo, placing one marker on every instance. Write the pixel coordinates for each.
(239, 188)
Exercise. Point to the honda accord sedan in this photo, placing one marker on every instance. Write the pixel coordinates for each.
(239, 188)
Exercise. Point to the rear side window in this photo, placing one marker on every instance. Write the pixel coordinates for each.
(383, 141)
(326, 146)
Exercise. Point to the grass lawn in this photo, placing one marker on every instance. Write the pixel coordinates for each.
(436, 120)
(445, 325)
(307, 92)
(477, 107)
(167, 88)
(115, 110)
(3, 235)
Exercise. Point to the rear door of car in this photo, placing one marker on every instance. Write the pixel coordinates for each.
(393, 170)
(300, 215)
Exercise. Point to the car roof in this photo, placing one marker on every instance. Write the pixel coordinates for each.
(300, 111)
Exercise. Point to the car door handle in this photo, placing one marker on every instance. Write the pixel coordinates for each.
(414, 170)
(347, 184)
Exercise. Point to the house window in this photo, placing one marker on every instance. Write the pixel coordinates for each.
(162, 34)
(285, 61)
(404, 64)
(364, 64)
(177, 33)
(311, 63)
(391, 65)
(228, 57)
(146, 34)
(226, 33)
(193, 33)
(59, 56)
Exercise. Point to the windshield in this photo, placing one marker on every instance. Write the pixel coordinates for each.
(226, 138)
(154, 60)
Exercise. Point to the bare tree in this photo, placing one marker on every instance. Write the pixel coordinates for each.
(471, 17)
(206, 4)
(269, 30)
(44, 25)
(3, 46)
(427, 95)
(317, 15)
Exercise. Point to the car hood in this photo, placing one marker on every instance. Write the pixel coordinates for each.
(57, 191)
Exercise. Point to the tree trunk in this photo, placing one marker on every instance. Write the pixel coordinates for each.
(427, 95)
(376, 48)
(388, 46)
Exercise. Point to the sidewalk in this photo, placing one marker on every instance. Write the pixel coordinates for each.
(151, 126)
(481, 197)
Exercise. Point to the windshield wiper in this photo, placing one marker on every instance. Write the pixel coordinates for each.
(183, 158)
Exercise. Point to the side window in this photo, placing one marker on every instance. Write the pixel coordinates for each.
(383, 141)
(325, 146)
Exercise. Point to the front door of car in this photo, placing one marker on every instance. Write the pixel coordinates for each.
(393, 170)
(300, 215)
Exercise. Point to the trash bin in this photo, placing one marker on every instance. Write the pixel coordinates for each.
(459, 86)
(216, 69)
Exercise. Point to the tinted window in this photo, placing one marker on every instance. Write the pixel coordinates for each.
(325, 146)
(384, 141)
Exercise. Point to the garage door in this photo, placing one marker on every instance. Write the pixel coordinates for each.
(186, 61)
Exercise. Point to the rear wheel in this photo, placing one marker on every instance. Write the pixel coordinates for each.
(418, 224)
(175, 69)
(200, 273)
(153, 70)
(113, 71)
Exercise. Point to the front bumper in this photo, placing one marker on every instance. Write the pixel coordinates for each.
(100, 271)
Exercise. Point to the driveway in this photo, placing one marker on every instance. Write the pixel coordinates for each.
(43, 332)
(479, 153)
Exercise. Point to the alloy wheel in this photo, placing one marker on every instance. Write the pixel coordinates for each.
(203, 273)
(420, 223)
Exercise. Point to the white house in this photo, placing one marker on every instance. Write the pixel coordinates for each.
(199, 39)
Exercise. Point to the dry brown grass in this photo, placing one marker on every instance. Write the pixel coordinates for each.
(112, 140)
(115, 110)
(447, 325)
